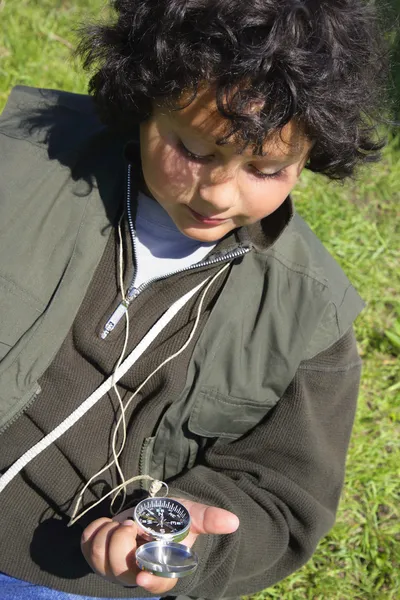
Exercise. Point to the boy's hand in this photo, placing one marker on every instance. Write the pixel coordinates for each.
(109, 545)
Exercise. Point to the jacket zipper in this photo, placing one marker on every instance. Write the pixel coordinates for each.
(133, 292)
(144, 463)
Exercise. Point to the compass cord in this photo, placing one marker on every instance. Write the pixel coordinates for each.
(121, 488)
(154, 488)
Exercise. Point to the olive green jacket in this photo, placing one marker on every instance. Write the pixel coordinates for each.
(285, 302)
(54, 227)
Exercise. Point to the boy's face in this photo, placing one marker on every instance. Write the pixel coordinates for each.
(208, 190)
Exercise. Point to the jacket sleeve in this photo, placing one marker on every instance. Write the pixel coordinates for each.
(283, 480)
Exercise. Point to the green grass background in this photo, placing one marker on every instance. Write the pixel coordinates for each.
(359, 224)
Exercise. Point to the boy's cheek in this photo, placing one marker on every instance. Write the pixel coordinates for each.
(168, 174)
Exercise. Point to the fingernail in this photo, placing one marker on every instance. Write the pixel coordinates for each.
(127, 523)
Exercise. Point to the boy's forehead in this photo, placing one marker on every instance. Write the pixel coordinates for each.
(201, 118)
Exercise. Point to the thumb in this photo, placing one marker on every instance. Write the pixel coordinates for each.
(210, 519)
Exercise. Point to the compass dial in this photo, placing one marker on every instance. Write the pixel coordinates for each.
(162, 519)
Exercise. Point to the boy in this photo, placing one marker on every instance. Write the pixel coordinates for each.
(244, 402)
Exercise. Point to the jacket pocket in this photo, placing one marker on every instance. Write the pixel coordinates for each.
(218, 415)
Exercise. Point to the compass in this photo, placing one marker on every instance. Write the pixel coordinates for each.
(165, 522)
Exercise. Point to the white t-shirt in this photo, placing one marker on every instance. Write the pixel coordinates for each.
(160, 247)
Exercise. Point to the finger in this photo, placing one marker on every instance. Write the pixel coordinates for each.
(154, 584)
(210, 519)
(92, 528)
(87, 536)
(122, 561)
(121, 553)
(95, 549)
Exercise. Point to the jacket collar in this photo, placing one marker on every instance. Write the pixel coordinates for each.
(263, 234)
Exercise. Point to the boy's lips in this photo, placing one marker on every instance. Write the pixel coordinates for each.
(205, 219)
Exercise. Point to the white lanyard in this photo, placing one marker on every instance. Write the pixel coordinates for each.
(130, 360)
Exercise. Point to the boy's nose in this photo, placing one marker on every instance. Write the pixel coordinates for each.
(221, 195)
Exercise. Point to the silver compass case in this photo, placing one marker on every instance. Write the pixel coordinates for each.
(165, 522)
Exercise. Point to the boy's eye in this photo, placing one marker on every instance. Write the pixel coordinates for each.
(206, 158)
(192, 156)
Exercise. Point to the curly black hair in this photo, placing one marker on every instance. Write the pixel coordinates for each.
(320, 62)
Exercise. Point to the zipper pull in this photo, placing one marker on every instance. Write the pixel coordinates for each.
(119, 312)
(132, 293)
(115, 318)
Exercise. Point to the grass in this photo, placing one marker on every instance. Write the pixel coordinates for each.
(359, 224)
